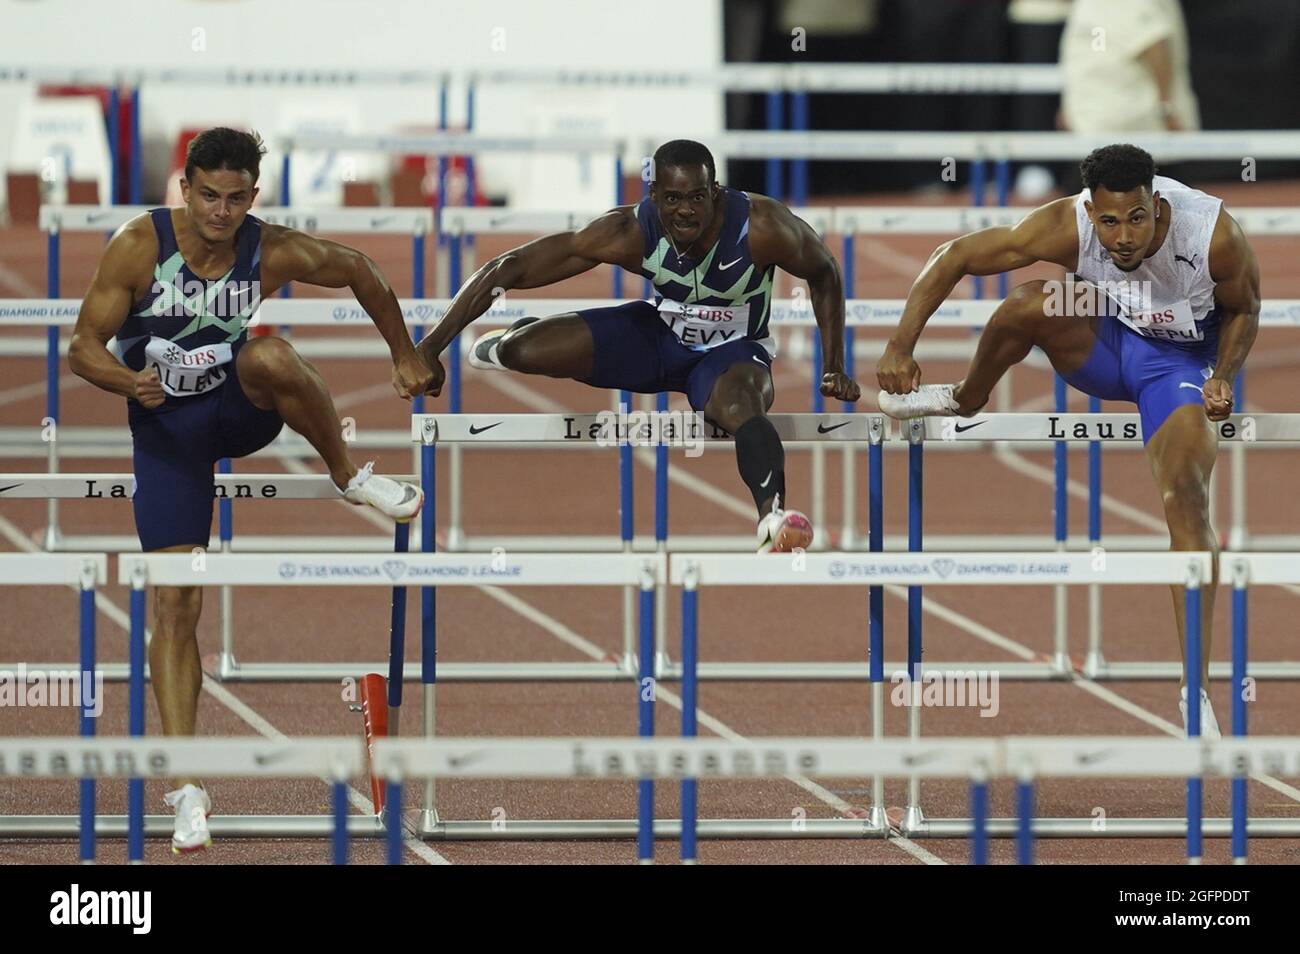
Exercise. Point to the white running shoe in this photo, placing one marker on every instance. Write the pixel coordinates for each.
(929, 400)
(483, 352)
(193, 806)
(393, 498)
(783, 531)
(1209, 724)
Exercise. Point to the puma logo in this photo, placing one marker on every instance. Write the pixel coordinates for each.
(1191, 262)
(1188, 384)
(723, 268)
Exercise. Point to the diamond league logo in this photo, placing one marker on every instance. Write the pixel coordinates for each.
(340, 313)
(1293, 312)
(836, 569)
(288, 571)
(943, 567)
(396, 569)
(424, 312)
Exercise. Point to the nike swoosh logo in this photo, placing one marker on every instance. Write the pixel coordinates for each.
(723, 268)
(241, 292)
(486, 427)
(460, 761)
(272, 757)
(920, 759)
(759, 360)
(823, 429)
(1088, 758)
(96, 216)
(10, 487)
(966, 427)
(384, 220)
(766, 479)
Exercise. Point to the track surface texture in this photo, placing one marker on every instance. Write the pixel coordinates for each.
(575, 492)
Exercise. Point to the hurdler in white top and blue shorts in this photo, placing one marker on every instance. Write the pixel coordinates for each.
(1158, 340)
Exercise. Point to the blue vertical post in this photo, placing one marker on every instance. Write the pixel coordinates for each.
(133, 126)
(876, 544)
(617, 271)
(849, 270)
(661, 480)
(773, 169)
(645, 727)
(471, 176)
(1062, 471)
(88, 718)
(455, 272)
(1239, 686)
(52, 283)
(818, 399)
(1002, 176)
(135, 786)
(225, 510)
(1192, 611)
(286, 199)
(340, 798)
(393, 820)
(397, 619)
(647, 289)
(1094, 479)
(978, 183)
(428, 544)
(690, 655)
(626, 501)
(915, 498)
(979, 813)
(442, 159)
(417, 292)
(1025, 821)
(799, 167)
(114, 144)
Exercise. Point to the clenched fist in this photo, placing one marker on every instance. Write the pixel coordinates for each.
(837, 384)
(897, 372)
(149, 391)
(411, 376)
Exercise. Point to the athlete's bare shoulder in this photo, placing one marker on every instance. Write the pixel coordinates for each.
(614, 237)
(1050, 233)
(130, 256)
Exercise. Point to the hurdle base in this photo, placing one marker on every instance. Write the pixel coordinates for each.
(914, 823)
(425, 823)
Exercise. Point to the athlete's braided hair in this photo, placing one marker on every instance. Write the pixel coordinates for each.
(1118, 168)
(223, 148)
(685, 152)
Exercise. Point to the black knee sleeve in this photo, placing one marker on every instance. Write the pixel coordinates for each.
(761, 459)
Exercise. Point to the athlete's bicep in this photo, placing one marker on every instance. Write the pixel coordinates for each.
(1045, 235)
(291, 256)
(788, 242)
(552, 258)
(1234, 268)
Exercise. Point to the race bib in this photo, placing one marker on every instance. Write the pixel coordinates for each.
(1169, 322)
(702, 327)
(188, 372)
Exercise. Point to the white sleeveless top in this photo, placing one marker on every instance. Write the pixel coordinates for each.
(1170, 296)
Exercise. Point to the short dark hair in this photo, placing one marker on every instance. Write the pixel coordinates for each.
(1118, 168)
(223, 148)
(685, 152)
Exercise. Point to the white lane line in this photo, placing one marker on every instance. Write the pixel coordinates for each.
(15, 280)
(224, 696)
(24, 392)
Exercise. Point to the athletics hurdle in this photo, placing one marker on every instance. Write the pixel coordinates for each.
(651, 428)
(137, 759)
(84, 571)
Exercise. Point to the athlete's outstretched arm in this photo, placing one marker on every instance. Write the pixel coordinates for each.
(779, 237)
(289, 255)
(1048, 234)
(613, 239)
(1236, 291)
(103, 311)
